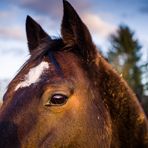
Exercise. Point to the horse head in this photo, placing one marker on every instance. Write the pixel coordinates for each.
(68, 95)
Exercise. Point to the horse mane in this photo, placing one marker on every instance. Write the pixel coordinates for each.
(47, 45)
(127, 116)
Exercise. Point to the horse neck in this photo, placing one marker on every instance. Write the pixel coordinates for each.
(128, 119)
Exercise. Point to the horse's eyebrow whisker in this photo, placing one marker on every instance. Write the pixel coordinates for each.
(60, 83)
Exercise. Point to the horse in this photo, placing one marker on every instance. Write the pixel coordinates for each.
(68, 95)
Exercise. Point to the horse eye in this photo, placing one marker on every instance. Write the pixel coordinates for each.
(57, 99)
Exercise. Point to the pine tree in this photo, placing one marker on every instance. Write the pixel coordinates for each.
(125, 55)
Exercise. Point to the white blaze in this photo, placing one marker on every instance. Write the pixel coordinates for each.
(33, 75)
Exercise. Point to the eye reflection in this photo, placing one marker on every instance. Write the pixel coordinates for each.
(57, 99)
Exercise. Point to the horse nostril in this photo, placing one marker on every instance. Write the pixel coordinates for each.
(8, 135)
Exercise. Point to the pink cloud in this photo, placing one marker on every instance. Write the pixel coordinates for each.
(12, 32)
(97, 25)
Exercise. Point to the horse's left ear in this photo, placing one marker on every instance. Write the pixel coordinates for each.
(35, 34)
(74, 31)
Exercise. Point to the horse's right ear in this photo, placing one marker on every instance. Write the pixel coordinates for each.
(35, 33)
(75, 32)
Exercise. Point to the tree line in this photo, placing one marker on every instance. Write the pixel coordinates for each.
(125, 56)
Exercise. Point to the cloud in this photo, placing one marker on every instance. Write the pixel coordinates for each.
(48, 13)
(8, 16)
(51, 7)
(97, 25)
(4, 14)
(11, 26)
(13, 51)
(45, 7)
(12, 32)
(9, 69)
(144, 9)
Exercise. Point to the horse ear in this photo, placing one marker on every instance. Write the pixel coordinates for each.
(35, 33)
(74, 31)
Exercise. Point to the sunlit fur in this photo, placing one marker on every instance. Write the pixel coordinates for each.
(101, 110)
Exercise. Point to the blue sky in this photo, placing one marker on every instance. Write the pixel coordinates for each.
(101, 16)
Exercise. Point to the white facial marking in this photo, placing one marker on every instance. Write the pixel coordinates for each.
(33, 75)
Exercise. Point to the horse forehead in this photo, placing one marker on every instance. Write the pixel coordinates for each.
(34, 74)
(66, 61)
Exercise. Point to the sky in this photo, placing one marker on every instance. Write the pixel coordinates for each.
(101, 16)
